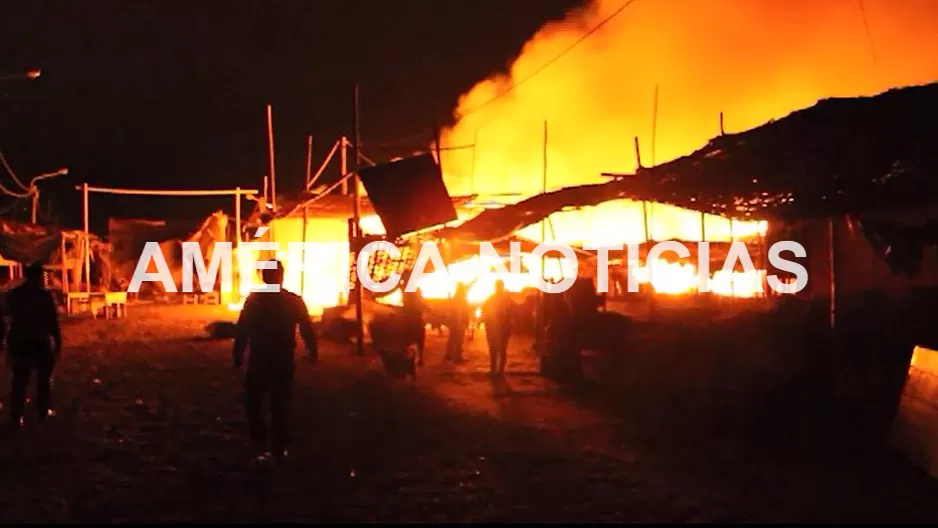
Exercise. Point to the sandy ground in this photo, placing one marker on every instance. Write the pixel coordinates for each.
(149, 427)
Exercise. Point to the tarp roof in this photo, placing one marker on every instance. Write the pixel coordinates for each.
(840, 156)
(27, 243)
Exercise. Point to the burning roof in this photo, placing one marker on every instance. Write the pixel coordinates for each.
(847, 155)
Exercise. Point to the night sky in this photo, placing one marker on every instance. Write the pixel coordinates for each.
(166, 94)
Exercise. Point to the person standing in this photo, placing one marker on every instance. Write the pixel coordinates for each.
(459, 322)
(34, 343)
(496, 315)
(267, 326)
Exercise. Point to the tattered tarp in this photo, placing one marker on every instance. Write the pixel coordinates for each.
(128, 236)
(409, 195)
(27, 243)
(840, 156)
(496, 224)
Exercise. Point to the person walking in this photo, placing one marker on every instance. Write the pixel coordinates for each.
(267, 327)
(34, 343)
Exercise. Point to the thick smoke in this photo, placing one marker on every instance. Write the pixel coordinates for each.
(753, 60)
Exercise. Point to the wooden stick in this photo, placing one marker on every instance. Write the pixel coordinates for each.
(87, 243)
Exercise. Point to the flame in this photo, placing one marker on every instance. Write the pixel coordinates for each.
(751, 61)
(754, 61)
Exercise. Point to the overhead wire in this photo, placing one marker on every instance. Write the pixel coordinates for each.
(515, 85)
(12, 174)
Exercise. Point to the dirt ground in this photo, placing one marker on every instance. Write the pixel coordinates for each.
(149, 427)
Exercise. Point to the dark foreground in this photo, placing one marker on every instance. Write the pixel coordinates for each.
(149, 428)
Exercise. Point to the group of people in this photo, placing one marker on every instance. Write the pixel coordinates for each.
(266, 326)
(496, 318)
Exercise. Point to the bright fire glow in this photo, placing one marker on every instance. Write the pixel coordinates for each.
(752, 60)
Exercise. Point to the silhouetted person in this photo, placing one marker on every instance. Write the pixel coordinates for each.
(458, 323)
(496, 315)
(34, 343)
(268, 324)
(415, 327)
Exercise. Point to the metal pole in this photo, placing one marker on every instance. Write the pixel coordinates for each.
(87, 243)
(266, 184)
(270, 140)
(309, 160)
(237, 240)
(35, 205)
(359, 316)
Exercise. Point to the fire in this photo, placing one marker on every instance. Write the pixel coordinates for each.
(753, 61)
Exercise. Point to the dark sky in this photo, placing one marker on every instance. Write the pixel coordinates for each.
(168, 94)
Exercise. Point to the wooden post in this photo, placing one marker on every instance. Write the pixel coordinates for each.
(544, 191)
(831, 241)
(654, 126)
(64, 261)
(721, 124)
(359, 316)
(270, 140)
(309, 160)
(733, 276)
(87, 243)
(237, 244)
(343, 163)
(475, 159)
(303, 259)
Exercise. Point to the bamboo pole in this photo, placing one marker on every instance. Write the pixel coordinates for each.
(87, 243)
(270, 141)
